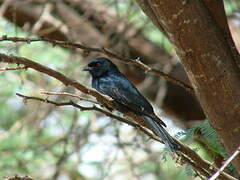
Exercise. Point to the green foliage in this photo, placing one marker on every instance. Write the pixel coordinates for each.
(206, 136)
(33, 135)
(231, 6)
(208, 142)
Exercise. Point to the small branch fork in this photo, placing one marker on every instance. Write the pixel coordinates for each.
(102, 50)
(92, 108)
(188, 155)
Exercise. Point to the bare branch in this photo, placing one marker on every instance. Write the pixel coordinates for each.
(59, 76)
(69, 94)
(92, 108)
(16, 177)
(187, 155)
(106, 101)
(102, 50)
(10, 69)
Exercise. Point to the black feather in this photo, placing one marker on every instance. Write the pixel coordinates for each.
(107, 79)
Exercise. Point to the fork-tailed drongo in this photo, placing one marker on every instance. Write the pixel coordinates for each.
(107, 79)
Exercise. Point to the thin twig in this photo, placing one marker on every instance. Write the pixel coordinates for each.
(228, 161)
(16, 177)
(106, 101)
(196, 162)
(10, 69)
(102, 50)
(69, 94)
(59, 76)
(204, 164)
(92, 108)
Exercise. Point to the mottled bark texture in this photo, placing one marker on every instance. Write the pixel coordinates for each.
(203, 46)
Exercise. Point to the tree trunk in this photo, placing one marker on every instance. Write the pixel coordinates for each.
(208, 59)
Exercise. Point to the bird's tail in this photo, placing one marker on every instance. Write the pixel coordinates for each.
(162, 133)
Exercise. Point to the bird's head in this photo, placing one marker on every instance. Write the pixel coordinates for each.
(99, 66)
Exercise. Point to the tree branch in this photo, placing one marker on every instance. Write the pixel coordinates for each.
(105, 100)
(12, 69)
(69, 94)
(92, 108)
(59, 76)
(194, 160)
(102, 50)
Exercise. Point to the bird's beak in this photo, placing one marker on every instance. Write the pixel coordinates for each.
(87, 68)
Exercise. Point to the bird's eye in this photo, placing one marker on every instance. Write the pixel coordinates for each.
(98, 64)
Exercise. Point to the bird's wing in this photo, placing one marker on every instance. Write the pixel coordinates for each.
(136, 102)
(123, 91)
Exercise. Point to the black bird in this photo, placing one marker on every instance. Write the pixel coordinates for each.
(107, 79)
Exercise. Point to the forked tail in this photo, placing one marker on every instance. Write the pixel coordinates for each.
(162, 133)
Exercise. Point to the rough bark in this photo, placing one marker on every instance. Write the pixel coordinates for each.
(208, 60)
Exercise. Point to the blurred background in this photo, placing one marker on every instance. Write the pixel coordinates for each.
(63, 143)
